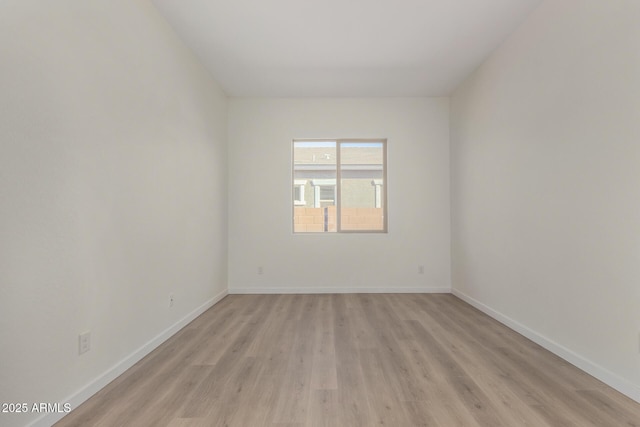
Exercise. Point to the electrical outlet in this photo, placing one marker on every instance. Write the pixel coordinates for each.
(171, 300)
(260, 270)
(421, 269)
(84, 342)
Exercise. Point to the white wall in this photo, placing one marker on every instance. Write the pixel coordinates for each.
(112, 190)
(260, 213)
(545, 184)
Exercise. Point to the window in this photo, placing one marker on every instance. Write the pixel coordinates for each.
(298, 192)
(339, 186)
(324, 192)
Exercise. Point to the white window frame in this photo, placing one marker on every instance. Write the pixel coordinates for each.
(381, 200)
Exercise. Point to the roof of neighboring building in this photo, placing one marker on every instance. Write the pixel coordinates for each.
(327, 156)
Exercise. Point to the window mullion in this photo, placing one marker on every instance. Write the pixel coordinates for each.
(385, 206)
(338, 188)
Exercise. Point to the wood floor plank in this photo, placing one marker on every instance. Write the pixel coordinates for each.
(395, 362)
(238, 393)
(387, 408)
(441, 405)
(294, 395)
(177, 393)
(323, 369)
(361, 331)
(282, 334)
(323, 409)
(189, 422)
(603, 403)
(210, 391)
(420, 414)
(353, 405)
(467, 391)
(352, 360)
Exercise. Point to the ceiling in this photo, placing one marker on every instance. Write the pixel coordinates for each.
(343, 48)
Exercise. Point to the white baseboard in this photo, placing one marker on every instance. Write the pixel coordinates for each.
(622, 385)
(258, 291)
(101, 381)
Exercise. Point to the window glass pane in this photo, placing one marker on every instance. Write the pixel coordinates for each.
(327, 195)
(314, 162)
(362, 186)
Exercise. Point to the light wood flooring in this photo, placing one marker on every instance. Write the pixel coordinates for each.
(352, 360)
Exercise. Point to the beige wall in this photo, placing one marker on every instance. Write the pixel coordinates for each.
(545, 155)
(112, 190)
(261, 132)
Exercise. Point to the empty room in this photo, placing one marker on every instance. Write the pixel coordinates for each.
(320, 213)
